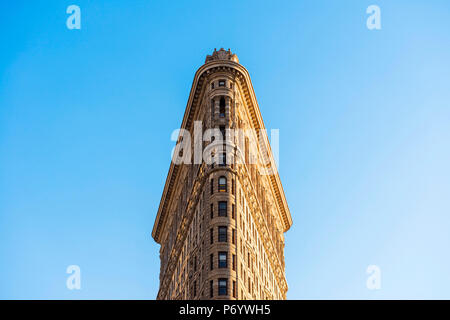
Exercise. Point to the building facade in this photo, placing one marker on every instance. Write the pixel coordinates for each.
(223, 212)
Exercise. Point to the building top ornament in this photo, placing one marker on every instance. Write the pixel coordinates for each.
(222, 55)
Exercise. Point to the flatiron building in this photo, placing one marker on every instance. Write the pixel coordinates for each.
(223, 212)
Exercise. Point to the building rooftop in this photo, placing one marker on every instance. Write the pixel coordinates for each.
(222, 54)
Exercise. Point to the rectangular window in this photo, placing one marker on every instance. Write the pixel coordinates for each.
(212, 186)
(222, 208)
(223, 287)
(223, 234)
(222, 107)
(211, 235)
(212, 210)
(195, 288)
(223, 257)
(211, 261)
(234, 289)
(222, 83)
(232, 186)
(233, 236)
(223, 159)
(233, 215)
(211, 292)
(234, 262)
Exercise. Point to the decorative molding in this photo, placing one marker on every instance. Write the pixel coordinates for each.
(222, 55)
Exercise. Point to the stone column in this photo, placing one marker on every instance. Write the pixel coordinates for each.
(227, 109)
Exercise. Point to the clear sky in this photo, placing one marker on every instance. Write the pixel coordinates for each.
(86, 117)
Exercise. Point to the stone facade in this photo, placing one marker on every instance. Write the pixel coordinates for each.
(221, 221)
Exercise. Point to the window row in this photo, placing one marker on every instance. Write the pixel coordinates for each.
(222, 83)
(222, 288)
(222, 185)
(222, 260)
(222, 235)
(223, 210)
(221, 108)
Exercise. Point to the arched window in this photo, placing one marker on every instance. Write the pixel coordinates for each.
(222, 107)
(222, 184)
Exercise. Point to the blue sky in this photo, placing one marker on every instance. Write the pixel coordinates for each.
(86, 117)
